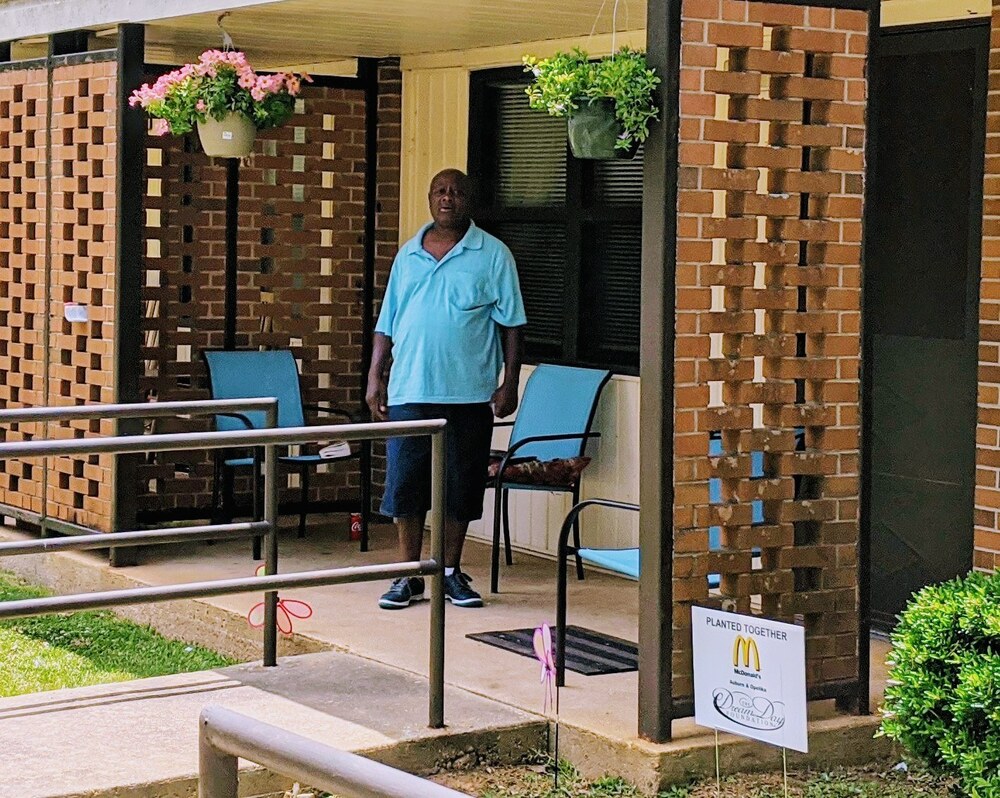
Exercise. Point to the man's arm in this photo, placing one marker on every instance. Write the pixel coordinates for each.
(378, 378)
(504, 401)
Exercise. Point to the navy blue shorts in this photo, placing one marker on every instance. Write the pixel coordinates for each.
(408, 468)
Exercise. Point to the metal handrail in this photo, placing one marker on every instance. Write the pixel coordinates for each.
(229, 439)
(234, 408)
(224, 736)
(138, 537)
(199, 407)
(269, 440)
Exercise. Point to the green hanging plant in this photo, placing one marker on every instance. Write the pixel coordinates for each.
(567, 81)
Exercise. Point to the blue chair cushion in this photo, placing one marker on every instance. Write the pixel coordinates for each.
(625, 562)
(621, 561)
(289, 459)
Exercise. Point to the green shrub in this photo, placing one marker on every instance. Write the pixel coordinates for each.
(942, 702)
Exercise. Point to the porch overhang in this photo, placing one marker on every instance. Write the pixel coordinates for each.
(296, 32)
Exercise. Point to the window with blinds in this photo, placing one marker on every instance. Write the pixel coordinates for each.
(574, 226)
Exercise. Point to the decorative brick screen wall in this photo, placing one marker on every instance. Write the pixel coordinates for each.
(301, 259)
(23, 100)
(987, 518)
(769, 245)
(70, 250)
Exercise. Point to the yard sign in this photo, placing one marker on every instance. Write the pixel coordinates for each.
(750, 677)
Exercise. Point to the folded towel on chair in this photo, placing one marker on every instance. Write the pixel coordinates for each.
(335, 449)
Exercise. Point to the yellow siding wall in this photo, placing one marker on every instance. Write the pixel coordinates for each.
(914, 12)
(436, 111)
(435, 136)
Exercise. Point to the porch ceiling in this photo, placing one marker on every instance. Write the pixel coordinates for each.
(314, 31)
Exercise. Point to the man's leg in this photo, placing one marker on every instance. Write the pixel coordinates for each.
(411, 536)
(406, 486)
(456, 584)
(407, 589)
(454, 539)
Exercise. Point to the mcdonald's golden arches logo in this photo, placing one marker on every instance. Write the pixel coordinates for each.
(743, 648)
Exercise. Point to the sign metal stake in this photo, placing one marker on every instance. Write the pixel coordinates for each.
(718, 773)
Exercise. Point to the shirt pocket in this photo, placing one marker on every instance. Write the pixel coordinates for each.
(468, 292)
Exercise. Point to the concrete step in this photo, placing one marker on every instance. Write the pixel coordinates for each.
(139, 739)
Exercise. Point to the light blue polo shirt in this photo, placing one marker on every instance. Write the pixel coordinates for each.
(442, 317)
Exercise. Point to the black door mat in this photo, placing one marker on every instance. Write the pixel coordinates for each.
(588, 652)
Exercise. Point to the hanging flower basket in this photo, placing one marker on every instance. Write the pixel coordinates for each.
(594, 131)
(224, 97)
(230, 137)
(609, 101)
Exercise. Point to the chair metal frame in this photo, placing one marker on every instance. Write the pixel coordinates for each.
(501, 508)
(363, 455)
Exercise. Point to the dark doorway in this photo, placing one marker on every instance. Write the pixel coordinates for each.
(921, 284)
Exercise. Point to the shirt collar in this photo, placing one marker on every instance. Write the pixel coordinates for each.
(473, 239)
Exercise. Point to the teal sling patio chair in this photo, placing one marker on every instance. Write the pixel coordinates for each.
(626, 562)
(247, 374)
(547, 444)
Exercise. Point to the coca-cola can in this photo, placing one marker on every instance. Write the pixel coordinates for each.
(355, 526)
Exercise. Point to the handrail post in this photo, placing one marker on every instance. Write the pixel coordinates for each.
(218, 772)
(438, 511)
(271, 555)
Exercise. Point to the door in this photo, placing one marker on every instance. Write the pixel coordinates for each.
(921, 284)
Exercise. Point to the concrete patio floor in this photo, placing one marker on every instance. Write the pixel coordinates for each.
(599, 713)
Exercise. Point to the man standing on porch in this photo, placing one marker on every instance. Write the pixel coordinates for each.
(451, 318)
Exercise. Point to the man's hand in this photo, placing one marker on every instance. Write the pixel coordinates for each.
(504, 400)
(376, 399)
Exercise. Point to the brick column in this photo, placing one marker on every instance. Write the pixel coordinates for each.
(986, 556)
(768, 311)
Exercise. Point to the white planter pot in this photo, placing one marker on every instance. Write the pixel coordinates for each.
(231, 137)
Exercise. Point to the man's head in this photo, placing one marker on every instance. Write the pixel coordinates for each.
(450, 199)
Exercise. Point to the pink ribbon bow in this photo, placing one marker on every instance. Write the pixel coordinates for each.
(542, 642)
(287, 609)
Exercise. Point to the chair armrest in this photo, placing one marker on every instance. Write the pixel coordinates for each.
(331, 411)
(566, 436)
(238, 417)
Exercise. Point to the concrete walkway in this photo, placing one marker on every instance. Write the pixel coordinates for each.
(140, 739)
(598, 713)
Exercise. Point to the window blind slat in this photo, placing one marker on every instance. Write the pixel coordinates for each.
(539, 250)
(545, 205)
(531, 152)
(619, 182)
(614, 294)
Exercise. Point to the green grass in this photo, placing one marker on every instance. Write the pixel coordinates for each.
(50, 652)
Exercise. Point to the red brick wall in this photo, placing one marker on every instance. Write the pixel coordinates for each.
(301, 254)
(986, 556)
(768, 311)
(77, 265)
